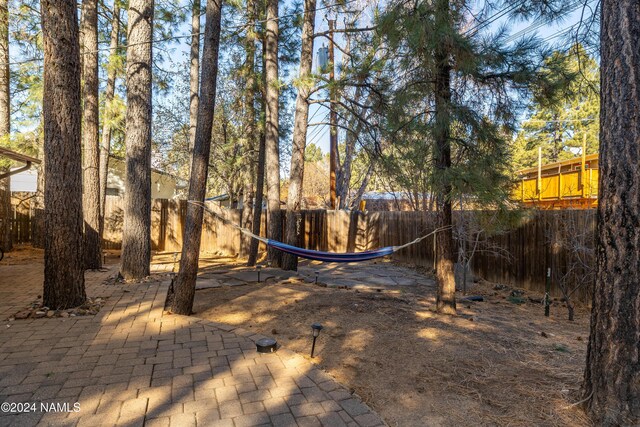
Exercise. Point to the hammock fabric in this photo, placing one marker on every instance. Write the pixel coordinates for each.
(317, 255)
(330, 256)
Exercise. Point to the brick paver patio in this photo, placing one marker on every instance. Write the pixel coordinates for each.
(131, 364)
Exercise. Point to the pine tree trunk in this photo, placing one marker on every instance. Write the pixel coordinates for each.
(250, 130)
(446, 295)
(612, 375)
(344, 171)
(355, 201)
(38, 222)
(5, 126)
(136, 239)
(261, 166)
(246, 218)
(105, 147)
(194, 71)
(272, 159)
(90, 140)
(63, 258)
(294, 198)
(257, 205)
(185, 282)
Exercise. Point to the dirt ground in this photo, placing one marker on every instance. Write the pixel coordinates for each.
(23, 254)
(496, 363)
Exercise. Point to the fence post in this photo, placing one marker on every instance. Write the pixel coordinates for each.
(434, 252)
(547, 294)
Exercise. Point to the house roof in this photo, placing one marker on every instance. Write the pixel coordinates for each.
(13, 155)
(384, 195)
(588, 158)
(180, 181)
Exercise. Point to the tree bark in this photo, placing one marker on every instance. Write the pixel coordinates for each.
(5, 126)
(260, 172)
(90, 139)
(194, 71)
(355, 200)
(272, 90)
(112, 73)
(185, 282)
(257, 206)
(294, 198)
(250, 129)
(345, 169)
(63, 258)
(38, 224)
(612, 375)
(136, 239)
(446, 294)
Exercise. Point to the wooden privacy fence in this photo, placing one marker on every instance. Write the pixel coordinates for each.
(520, 256)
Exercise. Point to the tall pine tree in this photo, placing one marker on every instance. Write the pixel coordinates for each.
(612, 375)
(90, 137)
(185, 282)
(136, 238)
(63, 260)
(456, 90)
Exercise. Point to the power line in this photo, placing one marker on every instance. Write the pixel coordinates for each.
(499, 14)
(320, 135)
(560, 33)
(538, 23)
(559, 121)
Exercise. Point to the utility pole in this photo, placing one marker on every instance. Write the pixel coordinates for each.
(333, 122)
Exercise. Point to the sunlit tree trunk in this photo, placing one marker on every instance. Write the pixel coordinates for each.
(136, 239)
(260, 167)
(105, 147)
(257, 206)
(63, 258)
(5, 125)
(345, 169)
(185, 282)
(194, 71)
(272, 162)
(294, 197)
(250, 129)
(612, 375)
(90, 140)
(446, 295)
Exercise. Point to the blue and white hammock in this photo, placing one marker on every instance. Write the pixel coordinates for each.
(330, 256)
(320, 255)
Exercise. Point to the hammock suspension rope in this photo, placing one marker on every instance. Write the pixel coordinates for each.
(320, 255)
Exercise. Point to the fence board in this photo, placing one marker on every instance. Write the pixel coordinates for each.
(561, 240)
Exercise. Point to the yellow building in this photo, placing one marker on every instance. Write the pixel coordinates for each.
(571, 183)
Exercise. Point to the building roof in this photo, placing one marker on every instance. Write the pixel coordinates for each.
(180, 183)
(387, 195)
(588, 158)
(13, 155)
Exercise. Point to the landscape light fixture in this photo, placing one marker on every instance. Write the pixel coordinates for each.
(315, 328)
(317, 273)
(266, 345)
(258, 268)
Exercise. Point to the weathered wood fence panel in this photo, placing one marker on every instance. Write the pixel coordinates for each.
(21, 227)
(560, 240)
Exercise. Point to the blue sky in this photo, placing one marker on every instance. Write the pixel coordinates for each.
(556, 34)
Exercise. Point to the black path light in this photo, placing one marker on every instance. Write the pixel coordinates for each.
(317, 273)
(266, 345)
(315, 328)
(258, 268)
